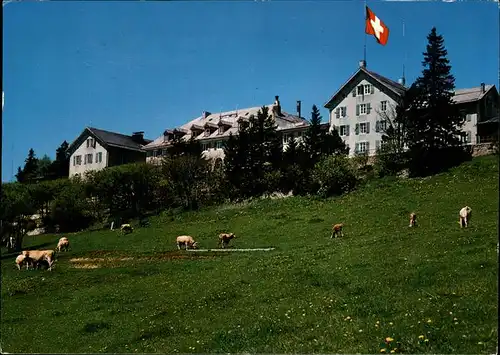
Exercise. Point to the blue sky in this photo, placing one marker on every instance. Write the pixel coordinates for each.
(147, 66)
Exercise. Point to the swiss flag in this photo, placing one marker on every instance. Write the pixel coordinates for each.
(374, 26)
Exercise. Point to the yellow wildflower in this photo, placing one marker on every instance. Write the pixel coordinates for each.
(426, 340)
(383, 350)
(388, 339)
(421, 337)
(393, 351)
(429, 321)
(390, 323)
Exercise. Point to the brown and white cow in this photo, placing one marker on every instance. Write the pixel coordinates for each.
(225, 238)
(413, 219)
(337, 230)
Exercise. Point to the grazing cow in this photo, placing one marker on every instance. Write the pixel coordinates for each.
(22, 259)
(337, 230)
(38, 256)
(63, 244)
(187, 241)
(413, 219)
(465, 215)
(127, 228)
(225, 238)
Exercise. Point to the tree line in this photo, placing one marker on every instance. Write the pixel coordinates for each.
(421, 135)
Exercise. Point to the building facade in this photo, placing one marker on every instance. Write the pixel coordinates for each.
(213, 129)
(359, 108)
(96, 149)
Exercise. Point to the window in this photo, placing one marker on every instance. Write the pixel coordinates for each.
(468, 137)
(363, 128)
(98, 157)
(362, 109)
(367, 90)
(383, 106)
(89, 158)
(204, 146)
(360, 90)
(362, 147)
(221, 129)
(343, 111)
(344, 130)
(207, 132)
(468, 117)
(220, 144)
(78, 160)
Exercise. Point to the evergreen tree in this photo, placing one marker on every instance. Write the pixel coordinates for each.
(44, 167)
(30, 170)
(333, 144)
(60, 166)
(434, 125)
(314, 136)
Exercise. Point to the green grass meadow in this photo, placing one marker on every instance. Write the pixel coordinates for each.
(312, 294)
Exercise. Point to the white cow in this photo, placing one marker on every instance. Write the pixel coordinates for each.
(465, 215)
(63, 244)
(187, 241)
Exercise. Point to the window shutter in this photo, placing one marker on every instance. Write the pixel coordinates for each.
(354, 92)
(347, 129)
(377, 126)
(337, 112)
(372, 88)
(85, 159)
(356, 148)
(367, 147)
(74, 160)
(357, 128)
(368, 108)
(357, 110)
(468, 137)
(377, 145)
(367, 127)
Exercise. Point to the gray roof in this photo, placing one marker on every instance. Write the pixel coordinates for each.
(285, 121)
(108, 138)
(471, 94)
(461, 95)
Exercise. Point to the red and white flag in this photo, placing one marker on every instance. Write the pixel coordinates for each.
(374, 26)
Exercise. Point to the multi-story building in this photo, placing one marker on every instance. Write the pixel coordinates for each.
(212, 129)
(358, 108)
(95, 149)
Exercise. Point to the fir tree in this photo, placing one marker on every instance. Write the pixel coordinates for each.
(60, 166)
(434, 124)
(314, 136)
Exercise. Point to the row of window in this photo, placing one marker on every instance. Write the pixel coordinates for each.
(87, 159)
(361, 109)
(363, 89)
(362, 128)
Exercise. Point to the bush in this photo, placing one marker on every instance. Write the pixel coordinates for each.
(71, 210)
(389, 164)
(335, 175)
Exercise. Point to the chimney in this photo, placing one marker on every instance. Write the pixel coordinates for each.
(401, 81)
(138, 137)
(362, 63)
(483, 88)
(277, 106)
(206, 114)
(298, 108)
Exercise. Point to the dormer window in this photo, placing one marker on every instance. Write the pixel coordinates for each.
(221, 129)
(207, 132)
(90, 143)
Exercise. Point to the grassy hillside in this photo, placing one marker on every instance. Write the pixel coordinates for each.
(137, 293)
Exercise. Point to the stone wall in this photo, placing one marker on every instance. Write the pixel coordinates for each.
(483, 149)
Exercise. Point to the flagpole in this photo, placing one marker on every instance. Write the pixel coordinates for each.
(405, 51)
(364, 47)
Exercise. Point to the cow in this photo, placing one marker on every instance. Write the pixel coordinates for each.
(413, 219)
(22, 259)
(40, 255)
(225, 238)
(337, 230)
(187, 241)
(63, 244)
(127, 228)
(464, 216)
